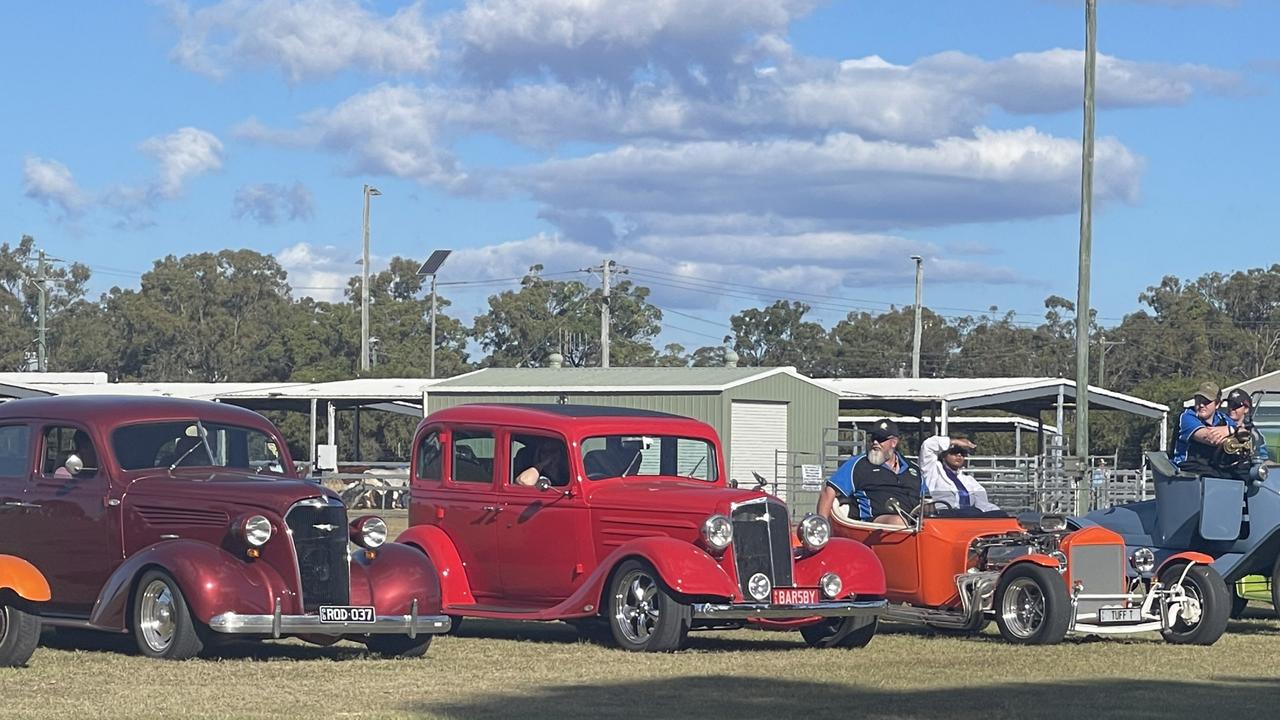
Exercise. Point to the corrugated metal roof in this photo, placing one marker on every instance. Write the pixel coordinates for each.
(615, 379)
(981, 392)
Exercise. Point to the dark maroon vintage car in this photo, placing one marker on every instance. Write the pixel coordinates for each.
(183, 522)
(621, 523)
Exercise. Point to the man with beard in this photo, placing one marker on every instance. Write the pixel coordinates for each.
(871, 484)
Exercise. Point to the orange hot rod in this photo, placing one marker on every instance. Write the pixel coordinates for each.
(21, 585)
(1037, 579)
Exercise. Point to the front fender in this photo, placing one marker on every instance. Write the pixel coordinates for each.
(453, 585)
(213, 581)
(857, 565)
(23, 579)
(393, 578)
(685, 568)
(1182, 557)
(1034, 559)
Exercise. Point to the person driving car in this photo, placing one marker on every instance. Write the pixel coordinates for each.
(1202, 428)
(872, 483)
(548, 461)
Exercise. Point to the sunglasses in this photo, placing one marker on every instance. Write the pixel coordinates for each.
(958, 451)
(1201, 400)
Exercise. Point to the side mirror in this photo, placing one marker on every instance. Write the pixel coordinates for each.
(74, 464)
(543, 484)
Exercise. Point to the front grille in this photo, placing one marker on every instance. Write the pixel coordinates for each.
(1101, 569)
(762, 542)
(319, 528)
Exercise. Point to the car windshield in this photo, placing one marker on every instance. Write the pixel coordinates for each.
(612, 456)
(192, 443)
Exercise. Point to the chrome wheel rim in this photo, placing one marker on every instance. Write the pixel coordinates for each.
(1192, 609)
(636, 606)
(1023, 607)
(156, 616)
(4, 621)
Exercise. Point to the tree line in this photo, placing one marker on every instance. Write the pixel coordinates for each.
(232, 316)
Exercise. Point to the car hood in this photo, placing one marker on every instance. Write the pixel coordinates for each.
(667, 495)
(208, 488)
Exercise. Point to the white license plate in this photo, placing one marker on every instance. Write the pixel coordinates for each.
(795, 596)
(1119, 615)
(346, 614)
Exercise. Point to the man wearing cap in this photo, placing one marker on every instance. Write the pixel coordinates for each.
(868, 483)
(1202, 429)
(942, 460)
(1238, 406)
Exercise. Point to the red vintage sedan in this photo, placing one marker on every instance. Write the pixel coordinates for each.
(183, 521)
(621, 522)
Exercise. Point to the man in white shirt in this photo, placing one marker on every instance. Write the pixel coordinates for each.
(942, 462)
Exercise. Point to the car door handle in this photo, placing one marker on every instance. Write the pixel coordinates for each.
(22, 504)
(492, 508)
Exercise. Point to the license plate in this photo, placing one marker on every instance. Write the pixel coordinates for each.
(795, 596)
(346, 614)
(1119, 615)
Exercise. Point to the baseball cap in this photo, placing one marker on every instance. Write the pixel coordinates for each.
(1209, 391)
(1238, 397)
(884, 429)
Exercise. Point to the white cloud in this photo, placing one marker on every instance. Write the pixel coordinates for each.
(320, 272)
(389, 130)
(304, 38)
(270, 204)
(189, 152)
(845, 180)
(51, 184)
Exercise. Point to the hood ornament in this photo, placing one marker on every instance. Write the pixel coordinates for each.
(325, 527)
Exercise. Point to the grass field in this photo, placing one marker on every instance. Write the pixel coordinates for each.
(497, 669)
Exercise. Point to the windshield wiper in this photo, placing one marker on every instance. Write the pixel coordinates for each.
(204, 440)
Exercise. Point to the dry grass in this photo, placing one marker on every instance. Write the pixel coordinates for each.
(542, 670)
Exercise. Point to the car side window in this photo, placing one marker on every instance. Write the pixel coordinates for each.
(473, 456)
(15, 451)
(537, 456)
(60, 443)
(430, 460)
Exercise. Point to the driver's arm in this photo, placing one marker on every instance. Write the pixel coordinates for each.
(529, 476)
(826, 500)
(1215, 435)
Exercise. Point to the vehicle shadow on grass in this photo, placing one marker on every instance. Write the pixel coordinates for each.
(121, 644)
(737, 698)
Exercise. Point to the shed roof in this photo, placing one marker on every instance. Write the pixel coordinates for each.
(615, 379)
(1023, 396)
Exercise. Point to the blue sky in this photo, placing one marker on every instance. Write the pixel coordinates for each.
(727, 151)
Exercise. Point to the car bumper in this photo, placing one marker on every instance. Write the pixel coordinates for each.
(766, 611)
(278, 625)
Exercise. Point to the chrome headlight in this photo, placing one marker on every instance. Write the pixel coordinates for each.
(759, 587)
(814, 531)
(1061, 559)
(255, 530)
(369, 532)
(831, 585)
(717, 532)
(1143, 560)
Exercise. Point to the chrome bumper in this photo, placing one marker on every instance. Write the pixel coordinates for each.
(747, 611)
(277, 625)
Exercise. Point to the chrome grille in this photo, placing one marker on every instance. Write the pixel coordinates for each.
(1101, 569)
(762, 542)
(319, 531)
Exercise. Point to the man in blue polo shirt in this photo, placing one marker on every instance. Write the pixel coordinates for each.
(1202, 428)
(868, 482)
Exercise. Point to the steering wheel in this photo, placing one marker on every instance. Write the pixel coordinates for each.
(909, 518)
(931, 507)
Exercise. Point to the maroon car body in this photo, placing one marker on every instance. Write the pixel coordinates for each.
(182, 520)
(617, 530)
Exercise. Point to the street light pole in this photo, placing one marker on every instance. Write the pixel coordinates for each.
(915, 342)
(1086, 244)
(369, 191)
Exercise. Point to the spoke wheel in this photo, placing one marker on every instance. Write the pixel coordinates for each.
(1204, 604)
(19, 635)
(642, 614)
(1032, 605)
(162, 623)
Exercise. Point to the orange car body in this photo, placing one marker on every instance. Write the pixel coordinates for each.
(23, 579)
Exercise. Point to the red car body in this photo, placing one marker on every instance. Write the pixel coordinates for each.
(98, 534)
(505, 550)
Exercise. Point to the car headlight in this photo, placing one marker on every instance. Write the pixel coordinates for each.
(759, 587)
(831, 585)
(369, 532)
(1143, 560)
(717, 532)
(814, 531)
(255, 530)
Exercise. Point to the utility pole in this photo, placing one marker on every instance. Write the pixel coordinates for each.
(1086, 247)
(369, 191)
(915, 342)
(604, 315)
(42, 346)
(1103, 346)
